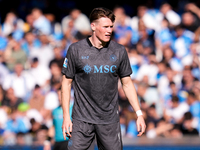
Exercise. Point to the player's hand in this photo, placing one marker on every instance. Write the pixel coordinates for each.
(67, 128)
(141, 126)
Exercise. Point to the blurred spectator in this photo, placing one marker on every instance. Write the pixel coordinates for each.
(163, 36)
(190, 21)
(51, 100)
(10, 100)
(175, 113)
(2, 94)
(40, 22)
(152, 116)
(45, 49)
(194, 20)
(175, 91)
(11, 23)
(161, 69)
(148, 71)
(4, 116)
(16, 123)
(20, 81)
(56, 28)
(71, 32)
(30, 42)
(28, 25)
(81, 22)
(71, 35)
(135, 60)
(132, 129)
(194, 108)
(39, 73)
(175, 132)
(3, 44)
(34, 116)
(182, 41)
(146, 39)
(152, 120)
(196, 89)
(3, 72)
(187, 126)
(194, 60)
(58, 54)
(38, 131)
(151, 96)
(122, 30)
(167, 12)
(187, 79)
(149, 21)
(120, 12)
(164, 83)
(56, 78)
(37, 99)
(20, 140)
(162, 129)
(14, 54)
(170, 58)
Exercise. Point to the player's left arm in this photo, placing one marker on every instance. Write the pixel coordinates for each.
(131, 95)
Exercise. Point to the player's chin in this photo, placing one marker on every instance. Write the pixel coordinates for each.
(107, 38)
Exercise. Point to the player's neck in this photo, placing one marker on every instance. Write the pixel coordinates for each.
(97, 42)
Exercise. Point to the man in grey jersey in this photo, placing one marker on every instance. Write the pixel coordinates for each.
(94, 66)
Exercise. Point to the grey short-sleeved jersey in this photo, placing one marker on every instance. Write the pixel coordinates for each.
(95, 74)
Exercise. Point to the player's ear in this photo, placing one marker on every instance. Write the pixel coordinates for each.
(93, 26)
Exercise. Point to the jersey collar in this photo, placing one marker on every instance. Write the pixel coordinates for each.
(90, 44)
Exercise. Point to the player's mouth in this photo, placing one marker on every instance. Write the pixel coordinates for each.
(108, 35)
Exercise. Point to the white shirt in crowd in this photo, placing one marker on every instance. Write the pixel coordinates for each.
(40, 74)
(149, 70)
(154, 22)
(42, 24)
(20, 84)
(44, 54)
(178, 112)
(81, 24)
(3, 73)
(51, 100)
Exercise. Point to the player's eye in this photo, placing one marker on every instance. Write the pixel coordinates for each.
(108, 27)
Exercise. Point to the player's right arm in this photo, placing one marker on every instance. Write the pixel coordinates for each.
(65, 102)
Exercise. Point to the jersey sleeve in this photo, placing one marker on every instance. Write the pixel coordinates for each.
(124, 67)
(68, 68)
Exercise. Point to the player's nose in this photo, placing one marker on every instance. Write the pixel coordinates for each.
(109, 30)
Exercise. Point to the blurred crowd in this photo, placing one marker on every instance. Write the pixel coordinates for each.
(164, 51)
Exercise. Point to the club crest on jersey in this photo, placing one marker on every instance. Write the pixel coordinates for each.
(87, 69)
(113, 58)
(65, 63)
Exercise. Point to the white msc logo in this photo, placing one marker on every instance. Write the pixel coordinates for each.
(102, 69)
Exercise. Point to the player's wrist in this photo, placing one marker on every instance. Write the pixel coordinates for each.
(139, 113)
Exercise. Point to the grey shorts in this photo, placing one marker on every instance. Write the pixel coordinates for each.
(108, 136)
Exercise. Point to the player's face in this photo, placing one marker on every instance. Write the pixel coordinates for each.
(103, 29)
